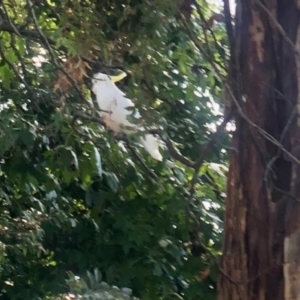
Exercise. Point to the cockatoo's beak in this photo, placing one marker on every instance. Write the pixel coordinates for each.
(118, 77)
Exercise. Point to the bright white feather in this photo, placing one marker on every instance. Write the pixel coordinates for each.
(114, 112)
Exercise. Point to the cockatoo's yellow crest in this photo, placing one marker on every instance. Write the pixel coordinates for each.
(114, 106)
(118, 77)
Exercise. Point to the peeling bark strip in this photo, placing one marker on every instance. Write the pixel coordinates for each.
(292, 266)
(257, 32)
(261, 252)
(292, 239)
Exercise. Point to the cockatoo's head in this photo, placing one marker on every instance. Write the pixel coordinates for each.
(101, 80)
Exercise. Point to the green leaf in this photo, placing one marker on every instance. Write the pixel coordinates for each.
(75, 161)
(27, 137)
(112, 181)
(97, 275)
(6, 76)
(97, 159)
(157, 270)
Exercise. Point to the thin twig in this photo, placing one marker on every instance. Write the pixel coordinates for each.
(15, 71)
(89, 118)
(142, 163)
(198, 45)
(279, 27)
(51, 52)
(172, 150)
(265, 134)
(228, 25)
(205, 28)
(10, 22)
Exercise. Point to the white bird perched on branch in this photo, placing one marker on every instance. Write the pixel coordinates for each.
(114, 112)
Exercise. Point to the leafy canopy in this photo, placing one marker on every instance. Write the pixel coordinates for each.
(76, 198)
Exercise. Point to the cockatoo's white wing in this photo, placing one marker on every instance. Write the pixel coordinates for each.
(119, 113)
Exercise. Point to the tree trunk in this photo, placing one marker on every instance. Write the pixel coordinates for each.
(261, 254)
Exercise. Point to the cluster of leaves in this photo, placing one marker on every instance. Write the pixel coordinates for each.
(73, 197)
(92, 287)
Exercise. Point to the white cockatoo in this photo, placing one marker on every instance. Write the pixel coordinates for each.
(113, 105)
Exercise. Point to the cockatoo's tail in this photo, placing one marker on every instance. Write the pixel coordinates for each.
(114, 104)
(151, 145)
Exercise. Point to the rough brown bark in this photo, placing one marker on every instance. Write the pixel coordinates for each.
(261, 255)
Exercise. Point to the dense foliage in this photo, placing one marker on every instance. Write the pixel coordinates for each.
(75, 197)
